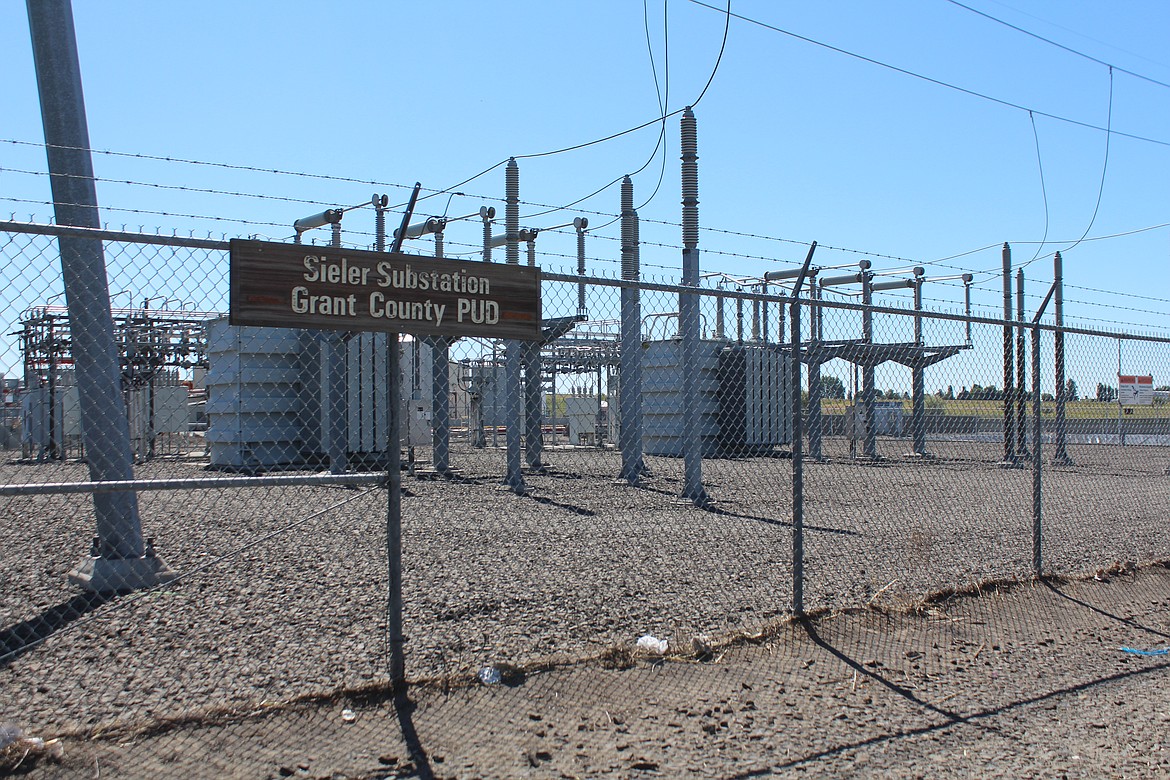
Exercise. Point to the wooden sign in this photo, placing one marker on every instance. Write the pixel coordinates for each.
(324, 288)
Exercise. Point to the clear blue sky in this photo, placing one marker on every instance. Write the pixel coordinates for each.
(797, 141)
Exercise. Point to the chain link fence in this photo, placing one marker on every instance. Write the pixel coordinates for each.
(876, 465)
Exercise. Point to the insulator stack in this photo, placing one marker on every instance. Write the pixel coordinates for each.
(379, 225)
(580, 223)
(512, 211)
(487, 239)
(629, 240)
(581, 252)
(690, 180)
(636, 237)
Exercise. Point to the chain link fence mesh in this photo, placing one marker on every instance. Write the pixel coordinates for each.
(264, 652)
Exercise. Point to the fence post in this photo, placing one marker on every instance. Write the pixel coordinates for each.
(798, 447)
(1060, 456)
(868, 388)
(797, 467)
(513, 349)
(814, 372)
(335, 345)
(1009, 437)
(918, 377)
(1037, 445)
(440, 393)
(394, 513)
(630, 367)
(1037, 463)
(533, 388)
(1021, 370)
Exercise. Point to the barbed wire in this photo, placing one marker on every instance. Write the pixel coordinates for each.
(940, 262)
(145, 211)
(210, 164)
(155, 185)
(991, 273)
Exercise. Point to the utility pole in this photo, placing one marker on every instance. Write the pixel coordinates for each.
(120, 558)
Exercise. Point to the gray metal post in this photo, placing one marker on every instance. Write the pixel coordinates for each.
(1021, 372)
(1120, 406)
(630, 365)
(395, 635)
(1037, 463)
(56, 448)
(720, 300)
(764, 313)
(120, 559)
(333, 348)
(475, 431)
(797, 447)
(797, 465)
(688, 315)
(868, 390)
(781, 326)
(1037, 443)
(598, 428)
(918, 378)
(1060, 454)
(814, 372)
(739, 318)
(513, 354)
(553, 401)
(1009, 436)
(497, 391)
(533, 389)
(967, 278)
(440, 393)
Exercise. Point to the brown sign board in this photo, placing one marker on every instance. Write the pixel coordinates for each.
(326, 288)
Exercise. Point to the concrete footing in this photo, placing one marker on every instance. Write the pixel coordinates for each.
(112, 575)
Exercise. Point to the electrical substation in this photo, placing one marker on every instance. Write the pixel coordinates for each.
(258, 396)
(276, 393)
(163, 358)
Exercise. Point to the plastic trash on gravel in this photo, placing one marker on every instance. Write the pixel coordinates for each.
(652, 644)
(490, 675)
(16, 749)
(9, 734)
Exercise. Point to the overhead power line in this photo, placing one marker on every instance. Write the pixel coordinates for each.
(664, 116)
(932, 80)
(1061, 46)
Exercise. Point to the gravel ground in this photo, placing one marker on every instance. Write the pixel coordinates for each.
(1027, 681)
(283, 593)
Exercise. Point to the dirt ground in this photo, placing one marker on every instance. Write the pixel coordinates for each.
(1027, 680)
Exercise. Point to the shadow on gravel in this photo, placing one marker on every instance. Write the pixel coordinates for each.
(17, 640)
(711, 508)
(576, 510)
(949, 717)
(1120, 619)
(861, 669)
(404, 708)
(714, 510)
